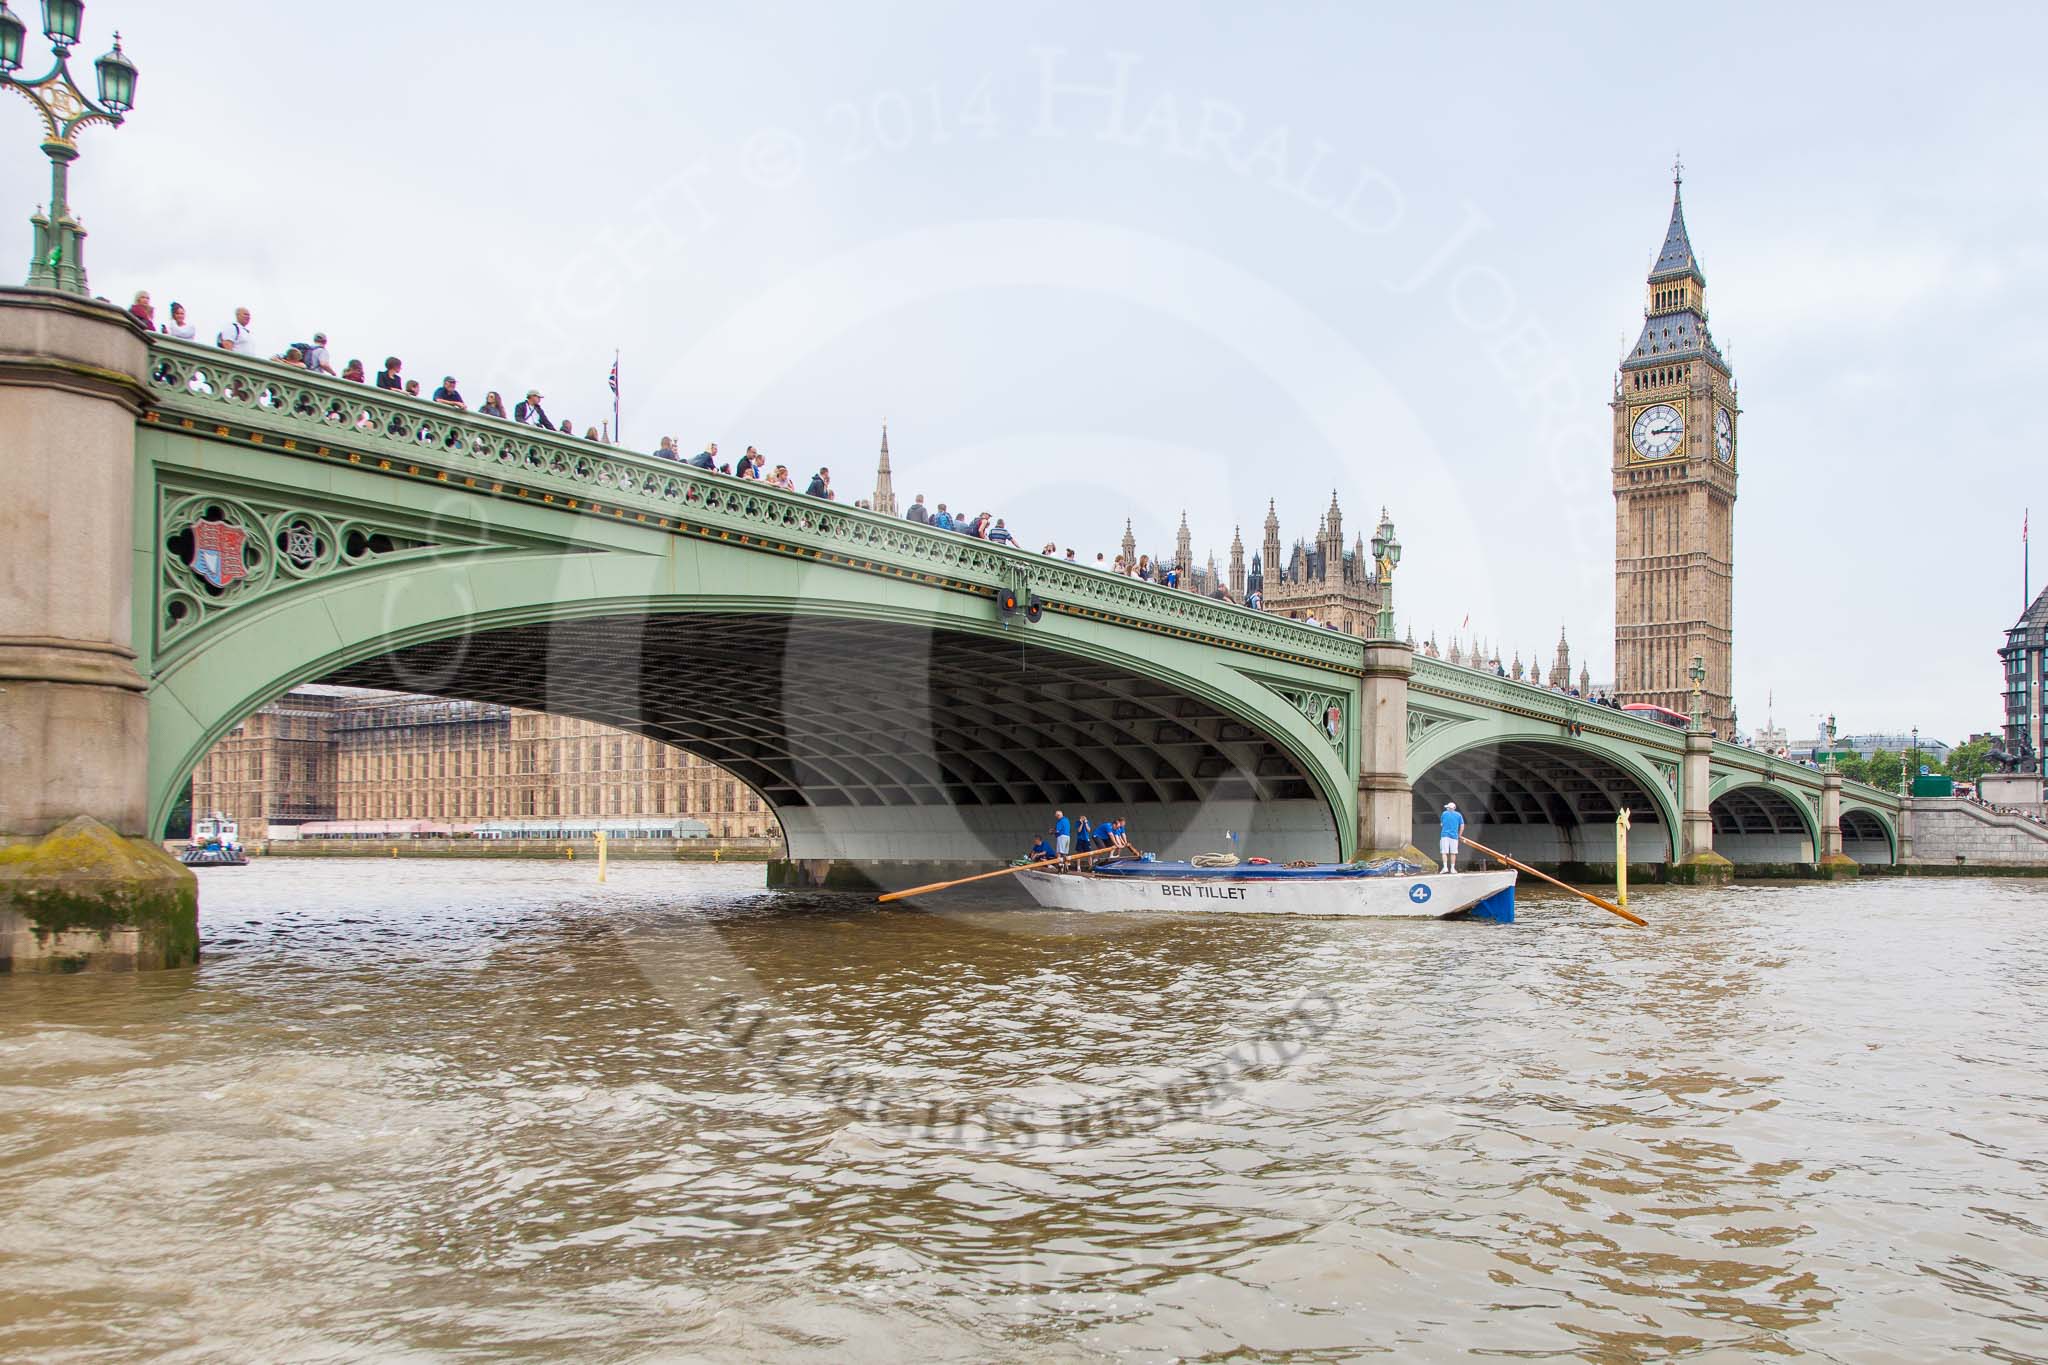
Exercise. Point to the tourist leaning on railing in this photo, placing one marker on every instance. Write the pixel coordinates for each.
(315, 354)
(237, 336)
(528, 412)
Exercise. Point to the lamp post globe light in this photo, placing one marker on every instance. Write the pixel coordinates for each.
(1386, 554)
(1698, 674)
(59, 260)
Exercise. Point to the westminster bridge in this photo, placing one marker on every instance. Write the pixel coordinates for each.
(191, 533)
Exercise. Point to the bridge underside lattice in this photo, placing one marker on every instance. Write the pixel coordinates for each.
(1758, 825)
(1545, 802)
(1865, 838)
(843, 725)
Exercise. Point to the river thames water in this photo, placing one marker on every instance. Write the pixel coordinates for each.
(488, 1109)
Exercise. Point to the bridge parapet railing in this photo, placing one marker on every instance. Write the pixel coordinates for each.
(311, 413)
(1737, 757)
(1537, 700)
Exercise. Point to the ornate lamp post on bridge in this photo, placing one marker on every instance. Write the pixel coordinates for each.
(1831, 743)
(59, 252)
(1386, 553)
(1698, 674)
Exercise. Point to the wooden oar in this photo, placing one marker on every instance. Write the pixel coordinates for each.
(1049, 865)
(1609, 906)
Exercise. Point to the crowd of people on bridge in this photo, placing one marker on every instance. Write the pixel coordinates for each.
(238, 335)
(315, 355)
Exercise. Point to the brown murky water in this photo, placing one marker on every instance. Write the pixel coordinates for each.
(492, 1109)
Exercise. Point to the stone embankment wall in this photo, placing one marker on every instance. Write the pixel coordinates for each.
(1953, 831)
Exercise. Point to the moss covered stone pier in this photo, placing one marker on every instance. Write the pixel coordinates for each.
(80, 886)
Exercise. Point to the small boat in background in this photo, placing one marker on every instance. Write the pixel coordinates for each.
(1389, 890)
(216, 842)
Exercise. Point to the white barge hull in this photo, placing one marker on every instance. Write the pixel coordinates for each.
(1491, 894)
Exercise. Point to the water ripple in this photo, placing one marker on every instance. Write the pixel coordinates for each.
(500, 1110)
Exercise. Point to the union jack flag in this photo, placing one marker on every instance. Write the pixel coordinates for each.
(615, 395)
(217, 552)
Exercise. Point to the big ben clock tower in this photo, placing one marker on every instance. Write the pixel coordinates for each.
(1676, 429)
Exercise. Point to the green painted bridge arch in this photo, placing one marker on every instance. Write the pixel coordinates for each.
(201, 531)
(1545, 773)
(855, 670)
(1540, 775)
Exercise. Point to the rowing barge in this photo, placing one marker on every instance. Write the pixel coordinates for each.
(1393, 890)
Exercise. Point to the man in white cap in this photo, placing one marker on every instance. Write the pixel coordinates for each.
(1449, 831)
(528, 412)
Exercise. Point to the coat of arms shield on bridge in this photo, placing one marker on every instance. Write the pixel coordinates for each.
(217, 552)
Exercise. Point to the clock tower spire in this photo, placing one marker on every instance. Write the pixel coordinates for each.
(1674, 468)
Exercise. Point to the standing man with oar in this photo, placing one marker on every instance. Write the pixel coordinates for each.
(1449, 831)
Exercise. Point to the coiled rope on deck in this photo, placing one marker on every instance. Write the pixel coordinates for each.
(1214, 860)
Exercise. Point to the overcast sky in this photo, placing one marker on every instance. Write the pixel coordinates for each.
(1099, 262)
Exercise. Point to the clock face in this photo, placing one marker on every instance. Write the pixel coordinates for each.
(1657, 431)
(1724, 434)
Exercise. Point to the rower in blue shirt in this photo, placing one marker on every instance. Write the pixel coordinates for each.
(1062, 834)
(1041, 852)
(1449, 831)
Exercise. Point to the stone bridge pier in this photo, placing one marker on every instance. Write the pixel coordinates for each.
(1834, 859)
(1698, 863)
(81, 885)
(1386, 798)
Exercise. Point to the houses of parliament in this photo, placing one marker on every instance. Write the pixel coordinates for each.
(331, 754)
